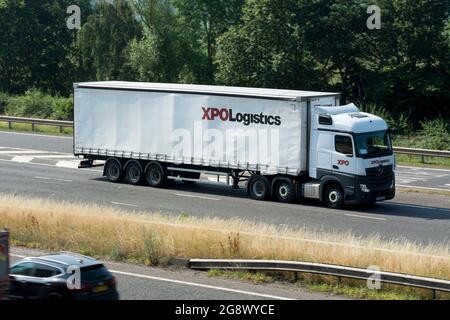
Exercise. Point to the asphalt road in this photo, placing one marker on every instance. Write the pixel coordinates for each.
(145, 283)
(42, 166)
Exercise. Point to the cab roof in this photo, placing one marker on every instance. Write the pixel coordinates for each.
(276, 94)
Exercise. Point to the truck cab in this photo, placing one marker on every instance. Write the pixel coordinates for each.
(351, 157)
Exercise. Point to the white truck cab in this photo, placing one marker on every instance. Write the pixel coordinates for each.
(351, 158)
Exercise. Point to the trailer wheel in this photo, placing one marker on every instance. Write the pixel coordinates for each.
(284, 190)
(113, 170)
(259, 188)
(155, 175)
(334, 196)
(134, 174)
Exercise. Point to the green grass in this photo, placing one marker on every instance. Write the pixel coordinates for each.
(255, 277)
(434, 162)
(330, 285)
(25, 127)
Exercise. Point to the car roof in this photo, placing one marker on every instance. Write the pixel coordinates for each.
(65, 259)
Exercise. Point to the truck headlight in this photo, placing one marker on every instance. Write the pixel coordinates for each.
(364, 188)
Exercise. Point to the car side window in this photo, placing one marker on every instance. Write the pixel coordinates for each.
(343, 144)
(44, 271)
(23, 269)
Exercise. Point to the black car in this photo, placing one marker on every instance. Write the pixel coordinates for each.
(62, 276)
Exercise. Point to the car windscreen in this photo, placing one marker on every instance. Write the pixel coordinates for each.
(94, 273)
(373, 144)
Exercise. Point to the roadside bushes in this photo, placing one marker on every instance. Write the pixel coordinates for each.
(36, 104)
(434, 134)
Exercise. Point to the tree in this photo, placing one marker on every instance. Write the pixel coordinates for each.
(104, 39)
(267, 49)
(202, 22)
(35, 44)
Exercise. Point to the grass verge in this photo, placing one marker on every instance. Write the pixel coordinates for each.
(424, 191)
(155, 239)
(356, 289)
(25, 127)
(431, 162)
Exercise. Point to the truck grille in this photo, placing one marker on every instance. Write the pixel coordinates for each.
(378, 179)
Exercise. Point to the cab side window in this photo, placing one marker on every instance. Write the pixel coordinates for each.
(343, 144)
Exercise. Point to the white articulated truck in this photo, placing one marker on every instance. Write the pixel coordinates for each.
(286, 144)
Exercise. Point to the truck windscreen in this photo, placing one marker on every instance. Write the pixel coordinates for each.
(373, 144)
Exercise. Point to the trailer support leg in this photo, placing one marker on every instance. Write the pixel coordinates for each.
(235, 177)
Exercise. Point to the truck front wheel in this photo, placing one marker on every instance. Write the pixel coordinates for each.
(113, 170)
(334, 196)
(155, 175)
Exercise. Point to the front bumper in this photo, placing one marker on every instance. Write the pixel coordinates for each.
(384, 190)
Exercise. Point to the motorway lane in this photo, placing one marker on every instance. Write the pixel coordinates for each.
(149, 283)
(391, 220)
(404, 218)
(405, 176)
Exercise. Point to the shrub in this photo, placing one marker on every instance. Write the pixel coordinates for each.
(36, 104)
(435, 134)
(402, 122)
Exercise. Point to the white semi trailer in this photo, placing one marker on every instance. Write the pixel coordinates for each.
(286, 144)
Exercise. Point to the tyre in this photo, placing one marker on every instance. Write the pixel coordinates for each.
(284, 191)
(113, 170)
(259, 188)
(134, 174)
(334, 196)
(155, 176)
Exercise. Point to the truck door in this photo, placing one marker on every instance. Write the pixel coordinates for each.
(343, 154)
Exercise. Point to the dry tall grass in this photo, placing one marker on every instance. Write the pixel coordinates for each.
(154, 238)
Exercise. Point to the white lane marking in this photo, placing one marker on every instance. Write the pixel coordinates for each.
(417, 187)
(68, 164)
(193, 284)
(48, 165)
(22, 159)
(56, 156)
(23, 152)
(54, 179)
(424, 168)
(193, 196)
(364, 217)
(201, 285)
(36, 135)
(124, 204)
(417, 206)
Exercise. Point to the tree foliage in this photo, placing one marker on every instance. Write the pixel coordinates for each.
(403, 68)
